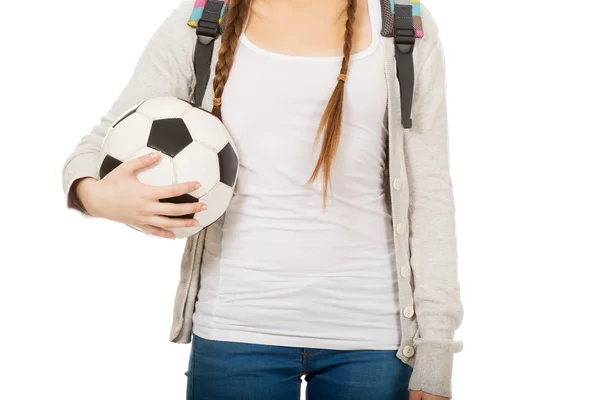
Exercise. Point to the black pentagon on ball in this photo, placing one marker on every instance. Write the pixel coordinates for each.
(169, 136)
(228, 165)
(108, 164)
(185, 198)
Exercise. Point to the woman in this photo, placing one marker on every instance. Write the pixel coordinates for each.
(311, 271)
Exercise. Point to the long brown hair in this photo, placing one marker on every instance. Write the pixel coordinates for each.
(329, 131)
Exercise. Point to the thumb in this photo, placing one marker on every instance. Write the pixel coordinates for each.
(142, 162)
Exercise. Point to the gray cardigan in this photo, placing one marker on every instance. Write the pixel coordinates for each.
(419, 191)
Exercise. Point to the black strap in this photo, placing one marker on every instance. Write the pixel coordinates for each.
(207, 31)
(404, 39)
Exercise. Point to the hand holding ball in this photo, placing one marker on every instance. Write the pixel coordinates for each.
(194, 147)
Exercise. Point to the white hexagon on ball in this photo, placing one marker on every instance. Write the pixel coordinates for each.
(217, 200)
(128, 136)
(163, 107)
(196, 163)
(206, 129)
(159, 174)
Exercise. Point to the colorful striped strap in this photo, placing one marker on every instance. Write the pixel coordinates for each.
(387, 12)
(199, 9)
(417, 22)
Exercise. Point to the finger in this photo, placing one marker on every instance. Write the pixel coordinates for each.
(141, 162)
(156, 231)
(170, 191)
(177, 210)
(171, 223)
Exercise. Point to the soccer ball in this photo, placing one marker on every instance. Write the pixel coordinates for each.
(195, 146)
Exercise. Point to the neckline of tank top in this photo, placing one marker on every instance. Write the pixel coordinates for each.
(374, 11)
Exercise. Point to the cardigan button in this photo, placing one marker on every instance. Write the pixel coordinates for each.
(409, 312)
(397, 184)
(400, 228)
(408, 351)
(405, 272)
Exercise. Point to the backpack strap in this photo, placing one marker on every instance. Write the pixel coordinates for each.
(402, 21)
(208, 19)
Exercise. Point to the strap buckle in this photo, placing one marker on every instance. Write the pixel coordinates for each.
(404, 36)
(207, 28)
(404, 32)
(208, 25)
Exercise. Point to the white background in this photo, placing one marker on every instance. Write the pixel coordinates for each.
(524, 105)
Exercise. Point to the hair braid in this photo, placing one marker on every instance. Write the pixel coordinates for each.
(331, 122)
(237, 13)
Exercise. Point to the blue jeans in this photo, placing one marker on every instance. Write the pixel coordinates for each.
(221, 370)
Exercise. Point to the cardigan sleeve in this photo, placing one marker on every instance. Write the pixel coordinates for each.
(433, 253)
(164, 68)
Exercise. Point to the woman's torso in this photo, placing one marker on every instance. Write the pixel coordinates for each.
(277, 268)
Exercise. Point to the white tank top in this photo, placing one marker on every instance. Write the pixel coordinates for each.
(277, 269)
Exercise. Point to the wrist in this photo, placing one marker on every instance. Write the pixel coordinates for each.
(433, 365)
(82, 193)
